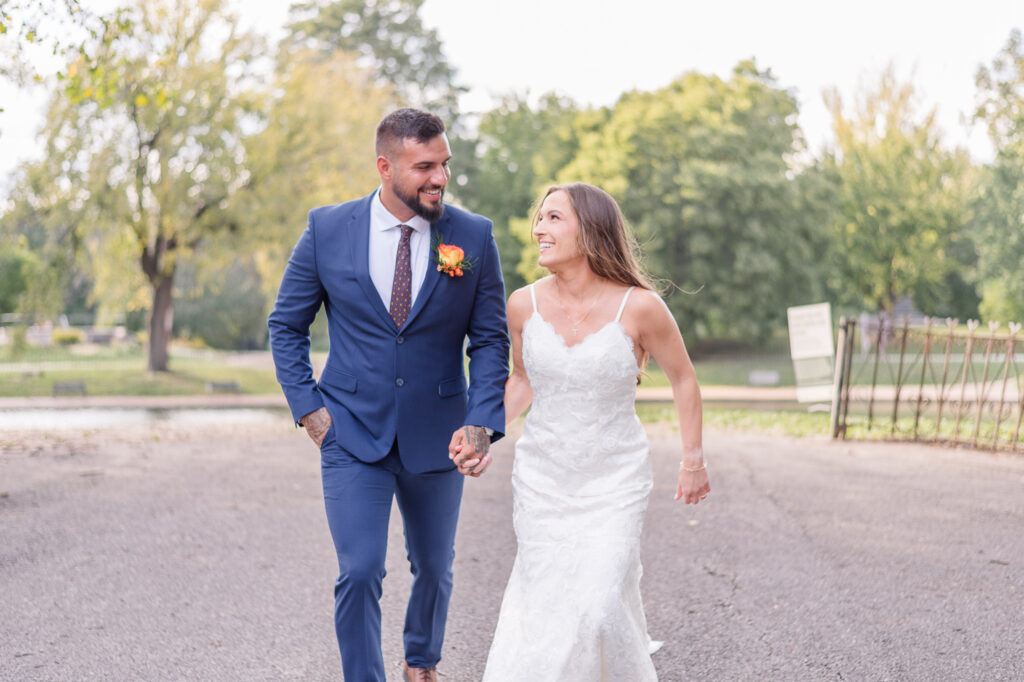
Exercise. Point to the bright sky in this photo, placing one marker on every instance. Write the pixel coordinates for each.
(594, 50)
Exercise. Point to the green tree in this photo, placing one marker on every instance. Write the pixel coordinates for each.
(17, 266)
(40, 28)
(900, 200)
(703, 171)
(499, 171)
(227, 311)
(317, 148)
(389, 38)
(148, 138)
(999, 207)
(39, 221)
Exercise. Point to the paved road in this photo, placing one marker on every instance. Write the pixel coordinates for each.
(160, 555)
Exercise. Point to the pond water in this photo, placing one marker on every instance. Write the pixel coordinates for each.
(96, 417)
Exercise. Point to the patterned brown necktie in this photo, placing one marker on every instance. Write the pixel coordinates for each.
(401, 287)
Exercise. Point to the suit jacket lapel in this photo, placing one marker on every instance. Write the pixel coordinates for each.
(359, 228)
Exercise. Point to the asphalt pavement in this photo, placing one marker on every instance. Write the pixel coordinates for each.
(165, 553)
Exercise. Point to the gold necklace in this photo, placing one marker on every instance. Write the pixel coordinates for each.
(576, 324)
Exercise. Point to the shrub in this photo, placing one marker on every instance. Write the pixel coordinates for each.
(67, 336)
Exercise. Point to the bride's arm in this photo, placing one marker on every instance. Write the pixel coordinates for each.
(659, 335)
(518, 393)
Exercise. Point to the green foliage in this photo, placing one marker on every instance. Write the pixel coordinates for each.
(999, 205)
(900, 202)
(500, 171)
(316, 149)
(175, 166)
(41, 27)
(18, 346)
(67, 337)
(226, 310)
(1001, 94)
(17, 266)
(702, 170)
(389, 38)
(145, 143)
(38, 230)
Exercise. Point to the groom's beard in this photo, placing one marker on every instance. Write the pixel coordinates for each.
(430, 213)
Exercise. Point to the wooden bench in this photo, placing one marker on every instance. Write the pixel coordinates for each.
(68, 388)
(223, 387)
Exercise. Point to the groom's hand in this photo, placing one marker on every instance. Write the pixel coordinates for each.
(316, 424)
(469, 449)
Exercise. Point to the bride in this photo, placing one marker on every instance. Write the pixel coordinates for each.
(582, 475)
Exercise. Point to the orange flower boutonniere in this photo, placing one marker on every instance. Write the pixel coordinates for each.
(452, 260)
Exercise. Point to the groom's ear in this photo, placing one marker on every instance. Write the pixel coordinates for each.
(384, 167)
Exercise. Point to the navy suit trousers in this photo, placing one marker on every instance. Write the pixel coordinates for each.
(358, 498)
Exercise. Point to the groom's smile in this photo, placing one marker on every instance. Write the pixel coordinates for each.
(416, 176)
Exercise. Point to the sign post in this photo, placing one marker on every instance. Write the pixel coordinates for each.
(812, 350)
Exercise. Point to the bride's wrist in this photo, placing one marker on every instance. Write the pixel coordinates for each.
(693, 460)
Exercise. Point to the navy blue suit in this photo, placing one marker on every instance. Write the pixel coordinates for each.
(395, 396)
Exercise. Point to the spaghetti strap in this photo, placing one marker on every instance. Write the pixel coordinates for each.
(533, 297)
(622, 306)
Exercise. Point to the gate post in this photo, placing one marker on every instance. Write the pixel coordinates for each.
(842, 348)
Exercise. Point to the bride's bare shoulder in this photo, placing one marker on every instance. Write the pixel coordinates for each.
(647, 306)
(520, 305)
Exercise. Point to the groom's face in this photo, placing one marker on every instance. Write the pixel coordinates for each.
(419, 175)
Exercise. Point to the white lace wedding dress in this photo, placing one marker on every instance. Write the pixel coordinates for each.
(581, 479)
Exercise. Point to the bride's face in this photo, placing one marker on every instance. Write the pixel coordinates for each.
(556, 231)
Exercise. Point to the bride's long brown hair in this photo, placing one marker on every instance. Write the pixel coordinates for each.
(603, 237)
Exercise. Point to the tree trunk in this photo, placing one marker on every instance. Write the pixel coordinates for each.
(161, 323)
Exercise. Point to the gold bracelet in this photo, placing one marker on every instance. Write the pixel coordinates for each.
(702, 467)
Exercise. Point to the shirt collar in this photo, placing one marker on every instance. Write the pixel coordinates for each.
(382, 219)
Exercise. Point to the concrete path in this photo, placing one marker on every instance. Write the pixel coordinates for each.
(203, 554)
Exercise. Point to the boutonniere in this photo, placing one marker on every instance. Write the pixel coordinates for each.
(452, 260)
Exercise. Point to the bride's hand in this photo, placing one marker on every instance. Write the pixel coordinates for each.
(469, 450)
(693, 486)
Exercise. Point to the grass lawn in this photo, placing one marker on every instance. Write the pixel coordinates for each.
(777, 422)
(189, 377)
(108, 371)
(727, 371)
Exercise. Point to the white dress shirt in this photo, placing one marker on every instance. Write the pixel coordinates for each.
(385, 234)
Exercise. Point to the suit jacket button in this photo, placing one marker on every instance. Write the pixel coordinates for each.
(399, 382)
(400, 339)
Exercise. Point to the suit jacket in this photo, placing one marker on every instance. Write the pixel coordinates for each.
(382, 383)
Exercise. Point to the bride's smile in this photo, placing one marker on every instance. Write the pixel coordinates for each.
(556, 232)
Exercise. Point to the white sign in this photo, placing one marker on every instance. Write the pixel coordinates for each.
(811, 347)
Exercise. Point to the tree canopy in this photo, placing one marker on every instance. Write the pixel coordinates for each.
(999, 207)
(899, 205)
(183, 154)
(146, 137)
(389, 38)
(701, 169)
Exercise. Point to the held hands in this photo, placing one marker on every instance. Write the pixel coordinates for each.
(316, 424)
(693, 484)
(469, 449)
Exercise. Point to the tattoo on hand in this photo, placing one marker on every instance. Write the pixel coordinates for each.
(478, 438)
(317, 424)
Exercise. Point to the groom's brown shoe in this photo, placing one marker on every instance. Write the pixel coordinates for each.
(419, 674)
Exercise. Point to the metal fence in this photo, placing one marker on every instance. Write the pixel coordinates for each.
(934, 382)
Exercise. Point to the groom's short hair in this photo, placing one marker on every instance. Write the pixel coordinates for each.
(405, 123)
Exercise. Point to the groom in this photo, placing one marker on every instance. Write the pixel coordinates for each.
(401, 299)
